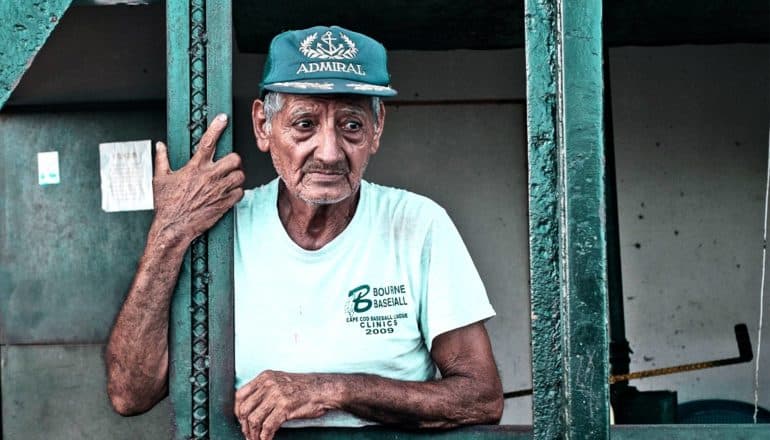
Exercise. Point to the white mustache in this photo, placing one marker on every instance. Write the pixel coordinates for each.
(336, 168)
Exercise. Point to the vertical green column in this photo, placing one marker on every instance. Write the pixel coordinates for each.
(567, 226)
(199, 54)
(220, 250)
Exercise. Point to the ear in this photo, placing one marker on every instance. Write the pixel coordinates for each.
(378, 130)
(261, 132)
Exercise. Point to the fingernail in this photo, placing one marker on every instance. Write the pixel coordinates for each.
(222, 117)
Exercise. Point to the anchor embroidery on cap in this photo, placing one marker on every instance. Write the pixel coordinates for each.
(346, 50)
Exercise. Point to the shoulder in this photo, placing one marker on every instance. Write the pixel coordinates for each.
(259, 198)
(397, 203)
(409, 217)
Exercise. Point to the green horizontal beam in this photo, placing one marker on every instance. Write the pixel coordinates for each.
(380, 433)
(115, 2)
(691, 432)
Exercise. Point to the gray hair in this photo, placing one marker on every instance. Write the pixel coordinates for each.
(273, 103)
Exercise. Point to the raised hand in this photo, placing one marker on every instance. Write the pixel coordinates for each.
(190, 200)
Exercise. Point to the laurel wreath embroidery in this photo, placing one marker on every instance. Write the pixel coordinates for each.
(352, 50)
(329, 52)
(305, 48)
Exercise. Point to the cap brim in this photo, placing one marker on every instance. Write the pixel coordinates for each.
(329, 86)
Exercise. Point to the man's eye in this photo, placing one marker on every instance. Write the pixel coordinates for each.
(352, 125)
(304, 124)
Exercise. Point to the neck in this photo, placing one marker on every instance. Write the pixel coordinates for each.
(313, 226)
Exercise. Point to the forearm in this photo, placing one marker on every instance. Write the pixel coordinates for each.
(442, 403)
(137, 351)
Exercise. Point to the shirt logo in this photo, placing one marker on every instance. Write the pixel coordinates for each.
(386, 304)
(360, 303)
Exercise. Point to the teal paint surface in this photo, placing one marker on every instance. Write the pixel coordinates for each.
(566, 202)
(65, 265)
(544, 228)
(178, 117)
(199, 87)
(220, 246)
(584, 294)
(691, 432)
(24, 28)
(59, 392)
(381, 433)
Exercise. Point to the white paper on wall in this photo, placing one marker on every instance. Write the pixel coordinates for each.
(48, 168)
(126, 171)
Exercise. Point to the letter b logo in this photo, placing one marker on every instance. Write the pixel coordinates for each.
(360, 304)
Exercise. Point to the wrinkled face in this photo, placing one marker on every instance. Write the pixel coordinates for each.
(320, 145)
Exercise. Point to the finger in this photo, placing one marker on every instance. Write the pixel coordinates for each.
(271, 424)
(228, 163)
(233, 197)
(249, 407)
(242, 395)
(244, 427)
(233, 180)
(161, 159)
(257, 420)
(208, 143)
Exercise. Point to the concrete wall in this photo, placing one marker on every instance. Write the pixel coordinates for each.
(691, 129)
(692, 142)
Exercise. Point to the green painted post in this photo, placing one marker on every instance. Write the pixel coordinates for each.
(199, 54)
(24, 28)
(178, 120)
(221, 353)
(567, 226)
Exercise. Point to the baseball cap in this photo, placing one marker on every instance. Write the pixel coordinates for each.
(325, 60)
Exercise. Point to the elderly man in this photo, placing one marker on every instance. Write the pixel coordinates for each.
(349, 296)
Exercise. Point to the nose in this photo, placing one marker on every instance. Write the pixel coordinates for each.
(329, 148)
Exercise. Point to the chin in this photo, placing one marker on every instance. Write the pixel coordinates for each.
(324, 199)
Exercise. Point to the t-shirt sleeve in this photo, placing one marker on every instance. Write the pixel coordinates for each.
(453, 294)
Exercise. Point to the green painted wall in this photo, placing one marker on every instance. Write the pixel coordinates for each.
(65, 266)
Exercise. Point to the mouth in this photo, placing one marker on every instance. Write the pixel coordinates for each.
(325, 176)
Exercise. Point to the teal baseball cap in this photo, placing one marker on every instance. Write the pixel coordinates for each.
(326, 60)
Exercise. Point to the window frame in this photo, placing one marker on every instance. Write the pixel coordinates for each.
(567, 236)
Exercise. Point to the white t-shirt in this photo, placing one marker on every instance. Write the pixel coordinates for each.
(371, 301)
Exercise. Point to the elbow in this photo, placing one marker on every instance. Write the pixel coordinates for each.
(127, 403)
(490, 406)
(494, 410)
(483, 408)
(123, 405)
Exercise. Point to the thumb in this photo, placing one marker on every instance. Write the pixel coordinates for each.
(161, 159)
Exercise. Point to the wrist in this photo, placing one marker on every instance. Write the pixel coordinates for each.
(336, 391)
(167, 238)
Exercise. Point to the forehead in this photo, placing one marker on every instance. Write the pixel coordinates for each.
(355, 103)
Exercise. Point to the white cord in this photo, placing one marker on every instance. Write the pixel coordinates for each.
(762, 290)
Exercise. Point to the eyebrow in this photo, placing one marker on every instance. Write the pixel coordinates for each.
(305, 109)
(358, 111)
(301, 111)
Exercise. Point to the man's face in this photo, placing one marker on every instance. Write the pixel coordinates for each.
(320, 145)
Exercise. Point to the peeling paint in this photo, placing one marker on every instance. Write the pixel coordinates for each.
(24, 29)
(567, 219)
